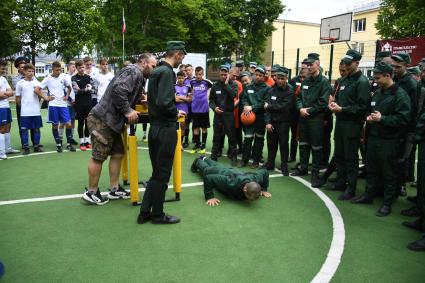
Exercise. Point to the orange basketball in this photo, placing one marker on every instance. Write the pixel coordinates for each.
(248, 118)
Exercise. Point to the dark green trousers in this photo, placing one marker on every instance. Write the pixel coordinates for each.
(347, 143)
(382, 171)
(279, 137)
(421, 181)
(254, 133)
(311, 138)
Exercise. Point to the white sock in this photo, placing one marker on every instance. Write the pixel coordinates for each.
(60, 130)
(81, 140)
(7, 144)
(88, 139)
(2, 144)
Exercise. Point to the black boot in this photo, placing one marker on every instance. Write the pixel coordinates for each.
(315, 180)
(418, 246)
(284, 169)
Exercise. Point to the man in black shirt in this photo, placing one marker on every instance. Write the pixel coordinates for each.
(162, 134)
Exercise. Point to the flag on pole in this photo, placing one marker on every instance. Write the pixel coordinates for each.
(123, 27)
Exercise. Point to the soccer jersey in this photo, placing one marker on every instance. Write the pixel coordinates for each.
(182, 90)
(72, 94)
(4, 85)
(57, 87)
(30, 105)
(16, 79)
(200, 95)
(94, 72)
(101, 81)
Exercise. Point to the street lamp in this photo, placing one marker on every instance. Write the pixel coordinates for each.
(283, 55)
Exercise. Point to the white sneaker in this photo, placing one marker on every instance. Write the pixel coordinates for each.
(121, 193)
(3, 156)
(11, 150)
(95, 198)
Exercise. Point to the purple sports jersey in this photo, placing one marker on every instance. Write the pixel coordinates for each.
(200, 95)
(182, 90)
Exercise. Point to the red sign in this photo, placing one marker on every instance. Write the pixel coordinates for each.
(414, 46)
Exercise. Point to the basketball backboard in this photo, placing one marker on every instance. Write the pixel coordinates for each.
(336, 28)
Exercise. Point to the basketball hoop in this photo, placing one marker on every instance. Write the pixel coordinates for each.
(327, 39)
(336, 29)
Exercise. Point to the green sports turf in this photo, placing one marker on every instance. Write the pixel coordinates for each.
(282, 239)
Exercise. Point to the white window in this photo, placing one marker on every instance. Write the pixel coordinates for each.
(39, 69)
(359, 25)
(359, 46)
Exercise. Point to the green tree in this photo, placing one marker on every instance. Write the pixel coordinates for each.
(217, 27)
(61, 26)
(401, 18)
(9, 44)
(253, 22)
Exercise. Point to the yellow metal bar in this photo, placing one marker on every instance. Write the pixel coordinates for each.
(124, 162)
(177, 163)
(134, 178)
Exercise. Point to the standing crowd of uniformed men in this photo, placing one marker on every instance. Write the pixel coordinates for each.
(383, 119)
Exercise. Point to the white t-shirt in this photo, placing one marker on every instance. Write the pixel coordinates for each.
(94, 72)
(4, 85)
(101, 81)
(57, 87)
(72, 94)
(30, 104)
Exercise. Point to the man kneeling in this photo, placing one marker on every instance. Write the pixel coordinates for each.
(229, 181)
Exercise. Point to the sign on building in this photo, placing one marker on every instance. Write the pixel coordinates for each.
(414, 46)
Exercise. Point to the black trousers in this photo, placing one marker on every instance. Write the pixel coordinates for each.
(327, 133)
(347, 143)
(224, 124)
(278, 137)
(294, 133)
(162, 145)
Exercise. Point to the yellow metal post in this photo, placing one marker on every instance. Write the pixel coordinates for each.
(177, 163)
(124, 162)
(134, 178)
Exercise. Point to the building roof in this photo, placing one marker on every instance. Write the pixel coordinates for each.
(364, 7)
(297, 22)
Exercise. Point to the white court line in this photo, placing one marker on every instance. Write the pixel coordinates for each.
(42, 199)
(333, 259)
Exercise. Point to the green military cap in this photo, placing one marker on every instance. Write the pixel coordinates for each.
(382, 54)
(350, 56)
(261, 69)
(244, 74)
(312, 57)
(275, 68)
(253, 64)
(401, 57)
(304, 61)
(224, 68)
(282, 71)
(239, 63)
(414, 70)
(176, 45)
(383, 68)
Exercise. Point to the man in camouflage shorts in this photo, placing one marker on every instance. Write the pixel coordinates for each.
(106, 122)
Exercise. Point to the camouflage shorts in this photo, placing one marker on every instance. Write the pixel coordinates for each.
(104, 140)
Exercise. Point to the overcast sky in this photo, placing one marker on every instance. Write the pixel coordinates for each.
(313, 11)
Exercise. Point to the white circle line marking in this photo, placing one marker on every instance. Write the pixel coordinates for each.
(333, 259)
